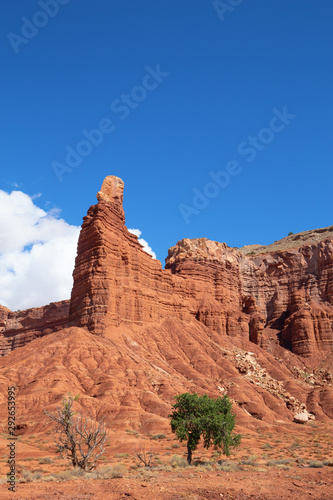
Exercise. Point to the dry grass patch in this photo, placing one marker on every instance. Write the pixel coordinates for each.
(178, 461)
(46, 460)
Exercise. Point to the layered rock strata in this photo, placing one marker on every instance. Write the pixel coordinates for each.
(283, 297)
(288, 293)
(116, 282)
(17, 328)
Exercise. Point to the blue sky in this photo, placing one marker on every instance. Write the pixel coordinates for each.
(222, 73)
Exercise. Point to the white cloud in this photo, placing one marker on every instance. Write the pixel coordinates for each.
(143, 242)
(37, 253)
(34, 196)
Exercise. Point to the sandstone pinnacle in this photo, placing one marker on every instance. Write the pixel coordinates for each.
(112, 190)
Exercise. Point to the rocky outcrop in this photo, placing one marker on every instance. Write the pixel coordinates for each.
(283, 296)
(215, 321)
(288, 293)
(116, 282)
(20, 327)
(274, 297)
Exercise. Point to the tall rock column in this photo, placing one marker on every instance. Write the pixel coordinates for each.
(91, 291)
(115, 281)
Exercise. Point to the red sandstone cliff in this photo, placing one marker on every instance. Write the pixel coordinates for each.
(280, 295)
(20, 327)
(287, 293)
(216, 320)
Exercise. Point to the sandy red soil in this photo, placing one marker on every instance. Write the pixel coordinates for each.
(184, 484)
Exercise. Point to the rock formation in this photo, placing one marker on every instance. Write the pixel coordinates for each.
(273, 296)
(17, 328)
(283, 297)
(287, 293)
(216, 320)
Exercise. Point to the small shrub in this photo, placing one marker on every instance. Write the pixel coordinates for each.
(46, 460)
(36, 476)
(107, 472)
(295, 445)
(228, 466)
(146, 475)
(203, 466)
(64, 475)
(164, 467)
(28, 477)
(216, 454)
(121, 455)
(178, 461)
(48, 477)
(68, 474)
(25, 476)
(280, 461)
(290, 233)
(175, 445)
(316, 464)
(250, 461)
(158, 436)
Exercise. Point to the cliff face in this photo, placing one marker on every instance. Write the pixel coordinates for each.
(116, 282)
(20, 327)
(279, 296)
(217, 320)
(288, 293)
(282, 297)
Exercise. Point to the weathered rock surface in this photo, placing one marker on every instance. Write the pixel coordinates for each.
(214, 321)
(301, 418)
(288, 294)
(282, 297)
(20, 327)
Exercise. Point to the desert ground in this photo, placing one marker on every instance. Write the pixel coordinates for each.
(290, 461)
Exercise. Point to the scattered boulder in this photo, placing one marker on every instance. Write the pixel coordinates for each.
(301, 418)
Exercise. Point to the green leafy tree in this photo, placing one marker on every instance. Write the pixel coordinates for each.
(194, 416)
